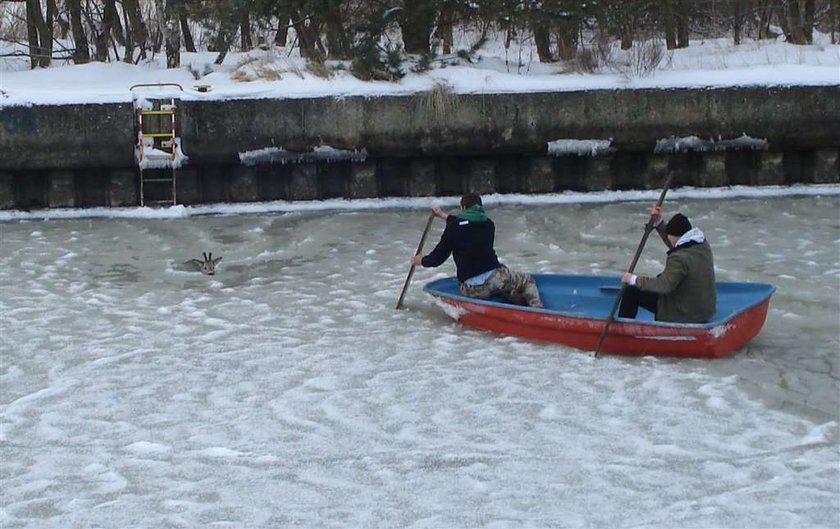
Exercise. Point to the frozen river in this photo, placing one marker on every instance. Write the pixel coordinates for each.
(287, 391)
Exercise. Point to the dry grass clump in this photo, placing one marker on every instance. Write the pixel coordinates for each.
(319, 69)
(439, 103)
(642, 59)
(263, 69)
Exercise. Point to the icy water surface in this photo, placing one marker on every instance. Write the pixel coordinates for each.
(287, 391)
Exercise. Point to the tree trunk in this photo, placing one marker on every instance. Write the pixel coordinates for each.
(797, 21)
(81, 53)
(683, 17)
(52, 14)
(39, 34)
(339, 42)
(118, 33)
(245, 39)
(765, 13)
(103, 34)
(668, 24)
(223, 39)
(443, 32)
(791, 22)
(308, 35)
(136, 31)
(167, 15)
(738, 15)
(542, 39)
(626, 37)
(222, 46)
(189, 43)
(417, 23)
(621, 17)
(284, 19)
(172, 36)
(128, 55)
(567, 39)
(61, 28)
(808, 21)
(34, 19)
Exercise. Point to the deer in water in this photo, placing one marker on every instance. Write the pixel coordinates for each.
(206, 267)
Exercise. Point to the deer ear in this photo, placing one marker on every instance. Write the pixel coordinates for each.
(216, 260)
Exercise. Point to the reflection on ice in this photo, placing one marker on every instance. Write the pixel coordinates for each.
(286, 390)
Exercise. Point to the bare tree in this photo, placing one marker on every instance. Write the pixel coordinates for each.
(797, 21)
(170, 26)
(308, 29)
(102, 31)
(136, 31)
(676, 18)
(246, 41)
(764, 10)
(39, 32)
(669, 24)
(621, 18)
(81, 52)
(417, 22)
(443, 30)
(183, 20)
(682, 15)
(568, 35)
(285, 14)
(339, 39)
(738, 13)
(542, 40)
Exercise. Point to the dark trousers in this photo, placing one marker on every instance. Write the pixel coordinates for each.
(633, 299)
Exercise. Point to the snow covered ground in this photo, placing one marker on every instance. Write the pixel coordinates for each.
(280, 73)
(287, 391)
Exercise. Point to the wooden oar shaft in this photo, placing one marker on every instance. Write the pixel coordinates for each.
(649, 227)
(418, 252)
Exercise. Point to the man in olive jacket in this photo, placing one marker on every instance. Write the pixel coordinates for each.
(685, 291)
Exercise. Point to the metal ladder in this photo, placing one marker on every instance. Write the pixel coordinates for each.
(158, 149)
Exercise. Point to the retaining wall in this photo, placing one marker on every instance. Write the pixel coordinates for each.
(431, 143)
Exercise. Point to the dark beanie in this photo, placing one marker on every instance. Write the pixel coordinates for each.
(678, 225)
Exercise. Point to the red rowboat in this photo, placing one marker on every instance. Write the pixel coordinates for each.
(577, 308)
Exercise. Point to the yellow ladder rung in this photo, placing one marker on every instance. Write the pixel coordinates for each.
(158, 179)
(157, 134)
(157, 112)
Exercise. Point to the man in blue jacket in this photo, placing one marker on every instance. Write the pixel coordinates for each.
(469, 238)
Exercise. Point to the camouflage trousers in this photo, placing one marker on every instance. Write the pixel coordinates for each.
(515, 287)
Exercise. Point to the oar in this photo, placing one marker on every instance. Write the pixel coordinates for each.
(418, 252)
(649, 227)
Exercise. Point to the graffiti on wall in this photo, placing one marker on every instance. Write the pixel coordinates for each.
(19, 121)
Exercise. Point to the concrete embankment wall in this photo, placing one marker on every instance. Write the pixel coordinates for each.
(433, 143)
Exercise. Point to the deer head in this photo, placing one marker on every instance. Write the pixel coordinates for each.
(207, 266)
